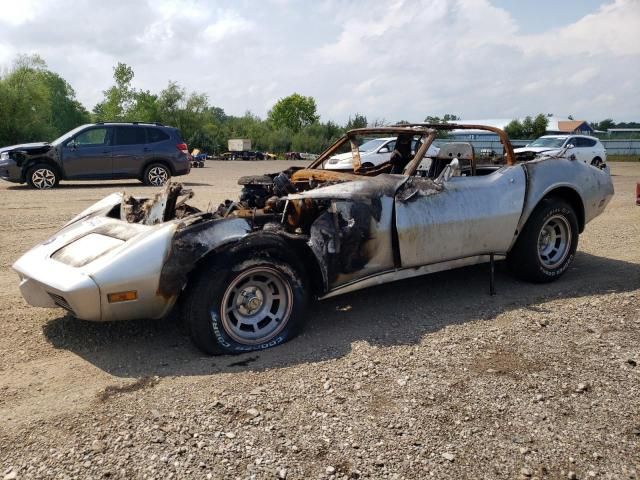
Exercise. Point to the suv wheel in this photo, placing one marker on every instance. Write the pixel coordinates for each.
(42, 177)
(156, 175)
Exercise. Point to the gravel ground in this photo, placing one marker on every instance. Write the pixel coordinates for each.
(429, 377)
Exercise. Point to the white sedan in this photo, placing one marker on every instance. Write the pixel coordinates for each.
(586, 149)
(372, 153)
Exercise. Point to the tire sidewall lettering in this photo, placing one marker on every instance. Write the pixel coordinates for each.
(222, 339)
(565, 265)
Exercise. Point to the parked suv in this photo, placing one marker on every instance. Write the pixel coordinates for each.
(586, 149)
(150, 152)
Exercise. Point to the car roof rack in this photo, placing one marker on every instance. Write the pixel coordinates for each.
(158, 124)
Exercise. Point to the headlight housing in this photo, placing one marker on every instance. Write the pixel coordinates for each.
(4, 156)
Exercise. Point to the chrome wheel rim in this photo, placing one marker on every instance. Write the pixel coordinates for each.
(43, 178)
(158, 176)
(554, 241)
(256, 305)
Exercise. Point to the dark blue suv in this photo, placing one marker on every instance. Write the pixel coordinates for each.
(150, 152)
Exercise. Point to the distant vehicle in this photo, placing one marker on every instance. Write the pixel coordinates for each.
(246, 155)
(300, 156)
(240, 149)
(239, 144)
(150, 152)
(197, 158)
(586, 149)
(372, 153)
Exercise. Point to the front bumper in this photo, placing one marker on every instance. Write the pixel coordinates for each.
(83, 289)
(54, 284)
(10, 172)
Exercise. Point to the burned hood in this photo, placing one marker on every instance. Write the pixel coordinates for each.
(26, 147)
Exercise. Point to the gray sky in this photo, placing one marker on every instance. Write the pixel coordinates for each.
(391, 59)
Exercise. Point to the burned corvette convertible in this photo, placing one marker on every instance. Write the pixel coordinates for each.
(245, 270)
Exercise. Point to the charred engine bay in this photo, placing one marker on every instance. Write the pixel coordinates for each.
(263, 201)
(262, 212)
(339, 227)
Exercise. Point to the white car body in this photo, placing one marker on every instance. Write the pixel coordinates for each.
(379, 152)
(586, 149)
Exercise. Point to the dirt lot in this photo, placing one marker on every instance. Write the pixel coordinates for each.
(430, 377)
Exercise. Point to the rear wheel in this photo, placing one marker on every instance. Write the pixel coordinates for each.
(43, 177)
(246, 305)
(547, 244)
(596, 162)
(156, 175)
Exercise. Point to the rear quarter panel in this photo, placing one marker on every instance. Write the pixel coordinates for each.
(593, 185)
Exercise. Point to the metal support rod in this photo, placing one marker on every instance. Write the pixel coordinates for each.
(492, 275)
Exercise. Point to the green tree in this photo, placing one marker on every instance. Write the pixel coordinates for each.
(358, 121)
(119, 98)
(604, 125)
(540, 124)
(527, 127)
(37, 104)
(293, 112)
(145, 107)
(436, 120)
(514, 130)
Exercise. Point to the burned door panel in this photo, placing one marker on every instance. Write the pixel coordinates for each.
(353, 239)
(465, 216)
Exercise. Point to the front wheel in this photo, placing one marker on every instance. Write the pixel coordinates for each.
(156, 175)
(255, 304)
(42, 177)
(547, 244)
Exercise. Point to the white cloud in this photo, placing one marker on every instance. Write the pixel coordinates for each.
(228, 23)
(612, 30)
(399, 59)
(17, 12)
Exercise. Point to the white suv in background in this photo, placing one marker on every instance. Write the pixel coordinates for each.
(586, 149)
(372, 153)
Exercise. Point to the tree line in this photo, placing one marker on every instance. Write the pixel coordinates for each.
(37, 104)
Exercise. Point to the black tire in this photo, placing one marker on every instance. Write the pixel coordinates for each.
(43, 177)
(215, 306)
(156, 175)
(201, 164)
(367, 165)
(596, 162)
(547, 244)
